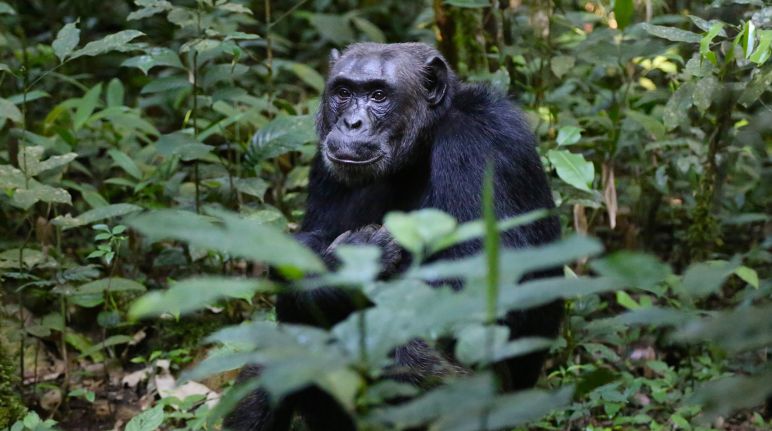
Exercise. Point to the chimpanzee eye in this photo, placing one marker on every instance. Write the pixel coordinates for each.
(378, 96)
(343, 93)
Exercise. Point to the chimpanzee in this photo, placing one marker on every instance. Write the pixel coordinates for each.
(399, 132)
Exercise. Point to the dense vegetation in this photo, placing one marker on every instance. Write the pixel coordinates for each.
(153, 155)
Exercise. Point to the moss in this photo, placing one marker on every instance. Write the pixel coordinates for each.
(11, 407)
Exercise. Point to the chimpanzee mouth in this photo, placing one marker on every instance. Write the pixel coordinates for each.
(353, 162)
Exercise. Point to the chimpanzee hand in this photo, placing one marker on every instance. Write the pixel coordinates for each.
(391, 253)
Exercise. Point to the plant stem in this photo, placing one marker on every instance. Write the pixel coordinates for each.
(269, 49)
(194, 115)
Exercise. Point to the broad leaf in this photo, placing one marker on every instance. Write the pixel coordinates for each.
(149, 420)
(702, 279)
(282, 135)
(114, 42)
(677, 108)
(96, 214)
(415, 230)
(66, 40)
(569, 135)
(634, 269)
(671, 33)
(154, 57)
(9, 111)
(237, 236)
(194, 294)
(573, 169)
(624, 11)
(86, 105)
(126, 163)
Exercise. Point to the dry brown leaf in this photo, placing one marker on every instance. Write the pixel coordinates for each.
(580, 219)
(610, 194)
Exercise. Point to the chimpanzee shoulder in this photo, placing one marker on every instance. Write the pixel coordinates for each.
(484, 127)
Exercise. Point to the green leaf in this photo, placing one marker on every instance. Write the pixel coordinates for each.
(764, 50)
(25, 198)
(149, 420)
(29, 160)
(252, 186)
(334, 28)
(633, 269)
(66, 40)
(6, 9)
(702, 279)
(705, 42)
(743, 329)
(705, 25)
(671, 33)
(18, 99)
(30, 258)
(462, 405)
(760, 84)
(514, 262)
(704, 91)
(506, 411)
(282, 135)
(677, 108)
(468, 3)
(114, 284)
(114, 340)
(82, 344)
(235, 8)
(748, 275)
(114, 42)
(419, 228)
(724, 396)
(96, 214)
(475, 229)
(624, 12)
(748, 38)
(240, 35)
(9, 111)
(125, 162)
(166, 83)
(645, 316)
(627, 301)
(183, 145)
(86, 105)
(489, 344)
(569, 135)
(237, 236)
(655, 127)
(194, 294)
(561, 64)
(150, 8)
(573, 168)
(115, 93)
(154, 57)
(308, 75)
(202, 46)
(11, 178)
(368, 28)
(475, 390)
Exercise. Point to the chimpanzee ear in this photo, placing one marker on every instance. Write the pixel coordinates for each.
(435, 80)
(334, 56)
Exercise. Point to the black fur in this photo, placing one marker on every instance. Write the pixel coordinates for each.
(431, 138)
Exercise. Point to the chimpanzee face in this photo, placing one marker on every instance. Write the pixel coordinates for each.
(375, 104)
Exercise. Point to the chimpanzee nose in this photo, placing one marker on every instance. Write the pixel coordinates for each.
(352, 123)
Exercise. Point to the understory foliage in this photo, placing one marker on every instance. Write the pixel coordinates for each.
(154, 158)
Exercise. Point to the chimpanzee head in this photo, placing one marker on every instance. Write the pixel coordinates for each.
(379, 107)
